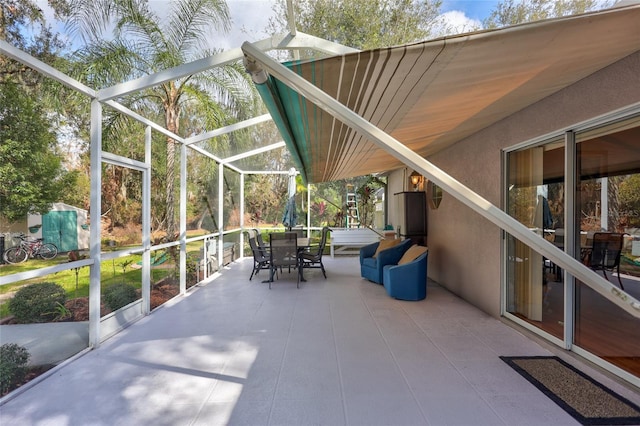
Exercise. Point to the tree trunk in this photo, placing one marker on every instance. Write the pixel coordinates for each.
(614, 203)
(170, 199)
(172, 112)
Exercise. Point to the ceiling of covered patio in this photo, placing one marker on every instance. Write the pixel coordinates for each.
(432, 94)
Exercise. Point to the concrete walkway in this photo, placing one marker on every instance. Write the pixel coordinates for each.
(48, 343)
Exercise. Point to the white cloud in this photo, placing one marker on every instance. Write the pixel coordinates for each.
(456, 22)
(249, 20)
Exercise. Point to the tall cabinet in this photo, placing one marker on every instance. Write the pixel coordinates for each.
(412, 207)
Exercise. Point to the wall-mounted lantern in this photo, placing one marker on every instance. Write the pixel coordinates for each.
(416, 180)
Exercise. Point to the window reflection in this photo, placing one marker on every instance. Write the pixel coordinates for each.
(608, 199)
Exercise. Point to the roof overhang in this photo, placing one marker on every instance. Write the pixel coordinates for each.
(432, 94)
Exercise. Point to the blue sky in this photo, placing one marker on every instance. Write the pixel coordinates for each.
(473, 9)
(466, 15)
(250, 17)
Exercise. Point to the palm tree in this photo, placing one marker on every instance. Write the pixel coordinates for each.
(141, 42)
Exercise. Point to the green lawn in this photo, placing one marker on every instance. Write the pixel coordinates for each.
(76, 281)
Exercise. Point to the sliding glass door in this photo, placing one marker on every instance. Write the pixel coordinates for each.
(604, 204)
(608, 203)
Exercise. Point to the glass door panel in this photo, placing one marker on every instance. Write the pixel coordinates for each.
(608, 201)
(535, 291)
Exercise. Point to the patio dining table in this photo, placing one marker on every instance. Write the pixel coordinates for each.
(302, 243)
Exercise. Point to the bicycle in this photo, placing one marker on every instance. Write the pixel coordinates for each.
(29, 249)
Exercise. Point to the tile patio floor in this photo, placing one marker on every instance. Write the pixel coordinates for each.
(334, 352)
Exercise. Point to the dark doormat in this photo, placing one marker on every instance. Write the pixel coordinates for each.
(588, 401)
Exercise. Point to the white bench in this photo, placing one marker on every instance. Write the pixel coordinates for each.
(349, 241)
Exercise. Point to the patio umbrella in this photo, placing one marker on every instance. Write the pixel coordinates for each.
(290, 216)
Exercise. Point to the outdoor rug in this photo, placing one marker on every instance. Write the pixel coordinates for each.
(588, 401)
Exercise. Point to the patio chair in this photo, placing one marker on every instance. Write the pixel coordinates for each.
(283, 252)
(260, 258)
(313, 259)
(286, 235)
(408, 279)
(260, 241)
(374, 257)
(605, 254)
(299, 231)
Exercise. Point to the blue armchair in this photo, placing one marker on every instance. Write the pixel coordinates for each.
(371, 267)
(407, 281)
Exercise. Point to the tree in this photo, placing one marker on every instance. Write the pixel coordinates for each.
(31, 175)
(512, 12)
(362, 24)
(19, 18)
(23, 25)
(143, 43)
(629, 193)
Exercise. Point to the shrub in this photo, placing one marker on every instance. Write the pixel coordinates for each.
(192, 269)
(118, 295)
(13, 366)
(37, 302)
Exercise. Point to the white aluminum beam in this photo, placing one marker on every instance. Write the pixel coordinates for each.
(228, 129)
(118, 160)
(253, 152)
(265, 172)
(146, 225)
(232, 167)
(459, 191)
(570, 161)
(95, 230)
(241, 215)
(41, 67)
(123, 109)
(206, 153)
(307, 41)
(279, 41)
(220, 250)
(291, 18)
(214, 158)
(183, 219)
(41, 272)
(170, 74)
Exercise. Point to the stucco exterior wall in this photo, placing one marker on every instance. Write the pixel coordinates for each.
(464, 248)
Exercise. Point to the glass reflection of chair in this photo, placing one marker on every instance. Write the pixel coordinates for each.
(283, 252)
(605, 253)
(558, 241)
(299, 231)
(558, 238)
(313, 259)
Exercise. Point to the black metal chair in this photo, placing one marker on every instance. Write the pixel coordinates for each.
(298, 231)
(260, 242)
(260, 257)
(283, 252)
(605, 254)
(313, 259)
